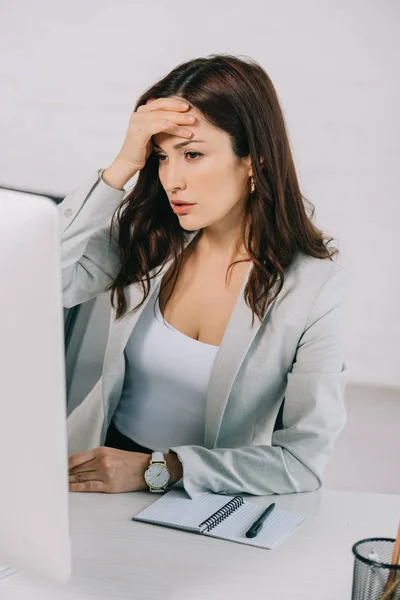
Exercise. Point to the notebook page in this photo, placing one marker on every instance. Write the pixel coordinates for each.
(176, 509)
(276, 528)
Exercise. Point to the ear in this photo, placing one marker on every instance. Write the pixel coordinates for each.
(248, 162)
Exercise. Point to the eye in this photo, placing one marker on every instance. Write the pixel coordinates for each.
(195, 154)
(192, 154)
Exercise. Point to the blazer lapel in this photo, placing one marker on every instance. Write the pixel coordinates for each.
(234, 347)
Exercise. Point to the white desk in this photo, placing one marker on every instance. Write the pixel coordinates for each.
(115, 557)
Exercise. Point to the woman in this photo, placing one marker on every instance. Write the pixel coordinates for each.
(226, 339)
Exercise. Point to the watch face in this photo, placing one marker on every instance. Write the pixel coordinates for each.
(157, 476)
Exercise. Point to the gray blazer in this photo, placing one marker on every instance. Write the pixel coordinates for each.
(295, 356)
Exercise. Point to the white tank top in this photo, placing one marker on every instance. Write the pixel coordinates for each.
(166, 379)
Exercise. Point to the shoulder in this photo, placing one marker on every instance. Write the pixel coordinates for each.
(316, 284)
(308, 271)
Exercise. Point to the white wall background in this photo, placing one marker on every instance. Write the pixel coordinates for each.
(71, 71)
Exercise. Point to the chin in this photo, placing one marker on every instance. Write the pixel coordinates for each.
(190, 228)
(192, 223)
(189, 225)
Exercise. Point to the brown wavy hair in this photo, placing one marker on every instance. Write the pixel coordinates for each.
(237, 96)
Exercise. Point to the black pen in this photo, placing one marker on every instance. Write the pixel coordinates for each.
(257, 525)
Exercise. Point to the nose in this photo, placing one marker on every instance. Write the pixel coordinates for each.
(172, 178)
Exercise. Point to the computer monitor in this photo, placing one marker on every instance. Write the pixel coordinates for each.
(34, 516)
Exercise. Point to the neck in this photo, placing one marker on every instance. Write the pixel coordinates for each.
(219, 244)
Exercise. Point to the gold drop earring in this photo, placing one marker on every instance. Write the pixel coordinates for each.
(252, 184)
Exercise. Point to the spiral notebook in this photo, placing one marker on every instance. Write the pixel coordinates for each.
(223, 517)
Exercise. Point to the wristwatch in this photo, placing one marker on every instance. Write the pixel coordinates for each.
(157, 474)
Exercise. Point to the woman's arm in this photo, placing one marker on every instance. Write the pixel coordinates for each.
(313, 415)
(89, 262)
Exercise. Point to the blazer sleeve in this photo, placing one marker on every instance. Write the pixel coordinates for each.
(88, 261)
(313, 414)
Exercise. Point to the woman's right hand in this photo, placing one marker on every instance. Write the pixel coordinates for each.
(156, 116)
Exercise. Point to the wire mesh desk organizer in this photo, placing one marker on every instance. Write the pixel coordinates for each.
(376, 573)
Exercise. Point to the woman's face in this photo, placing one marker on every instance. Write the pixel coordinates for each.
(203, 171)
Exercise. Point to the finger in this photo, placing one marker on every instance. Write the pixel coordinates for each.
(163, 104)
(166, 125)
(88, 486)
(166, 103)
(91, 465)
(163, 116)
(80, 458)
(82, 476)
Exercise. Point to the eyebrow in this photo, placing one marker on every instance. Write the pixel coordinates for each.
(181, 144)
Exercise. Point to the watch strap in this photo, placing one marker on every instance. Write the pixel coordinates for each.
(157, 457)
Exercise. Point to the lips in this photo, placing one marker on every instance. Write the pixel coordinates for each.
(182, 209)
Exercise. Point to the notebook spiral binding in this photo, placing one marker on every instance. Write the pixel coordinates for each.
(222, 513)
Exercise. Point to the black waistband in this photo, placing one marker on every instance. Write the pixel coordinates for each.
(116, 439)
